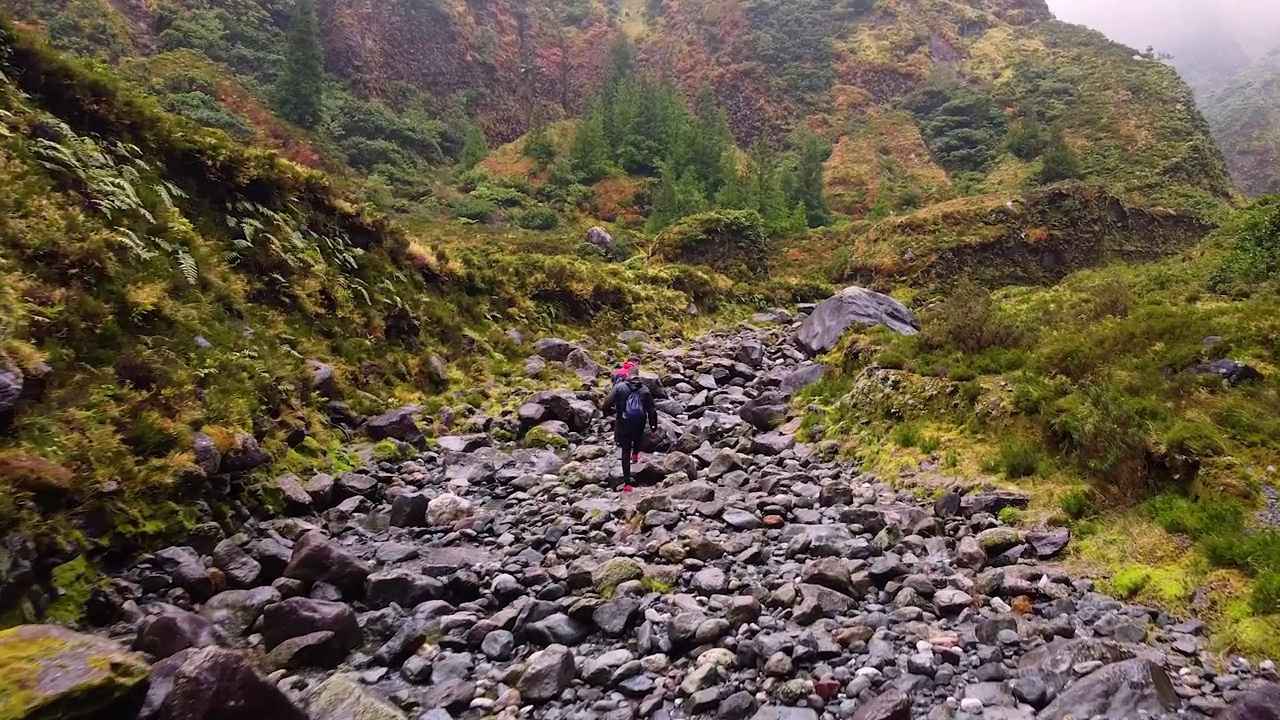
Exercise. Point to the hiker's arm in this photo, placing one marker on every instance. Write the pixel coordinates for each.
(609, 402)
(652, 409)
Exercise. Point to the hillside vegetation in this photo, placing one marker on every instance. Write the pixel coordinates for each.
(159, 281)
(922, 103)
(1115, 396)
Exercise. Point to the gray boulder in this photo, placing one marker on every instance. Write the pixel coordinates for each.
(547, 673)
(1259, 704)
(173, 630)
(296, 617)
(600, 237)
(396, 425)
(1121, 690)
(213, 684)
(1232, 371)
(244, 455)
(801, 378)
(342, 697)
(318, 559)
(823, 329)
(554, 349)
(10, 388)
(580, 363)
(765, 412)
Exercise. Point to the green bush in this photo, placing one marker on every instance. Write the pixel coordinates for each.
(1017, 458)
(730, 241)
(963, 128)
(1254, 249)
(538, 218)
(930, 444)
(968, 321)
(473, 208)
(906, 435)
(1264, 599)
(1010, 516)
(1076, 504)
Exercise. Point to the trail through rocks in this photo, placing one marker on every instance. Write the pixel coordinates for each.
(749, 575)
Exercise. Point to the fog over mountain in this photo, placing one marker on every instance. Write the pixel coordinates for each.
(1210, 40)
(1251, 24)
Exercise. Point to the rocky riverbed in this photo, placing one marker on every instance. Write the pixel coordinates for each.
(748, 575)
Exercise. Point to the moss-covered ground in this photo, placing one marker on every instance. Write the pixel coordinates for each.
(1086, 394)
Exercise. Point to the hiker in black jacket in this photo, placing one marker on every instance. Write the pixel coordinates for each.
(632, 403)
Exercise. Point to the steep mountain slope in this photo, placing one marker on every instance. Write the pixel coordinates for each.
(972, 74)
(1221, 49)
(1245, 115)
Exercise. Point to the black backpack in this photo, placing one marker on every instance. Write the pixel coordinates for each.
(634, 408)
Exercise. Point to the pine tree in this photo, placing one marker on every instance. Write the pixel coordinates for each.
(588, 152)
(713, 143)
(679, 196)
(300, 89)
(538, 145)
(1059, 162)
(811, 154)
(475, 146)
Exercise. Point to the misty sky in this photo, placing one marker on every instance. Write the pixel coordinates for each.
(1254, 24)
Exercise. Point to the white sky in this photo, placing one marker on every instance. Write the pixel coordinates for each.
(1138, 23)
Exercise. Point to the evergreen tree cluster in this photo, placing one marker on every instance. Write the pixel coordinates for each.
(640, 125)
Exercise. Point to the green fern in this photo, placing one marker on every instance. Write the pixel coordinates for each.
(187, 264)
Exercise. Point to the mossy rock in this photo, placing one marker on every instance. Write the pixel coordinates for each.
(542, 438)
(613, 572)
(48, 672)
(341, 696)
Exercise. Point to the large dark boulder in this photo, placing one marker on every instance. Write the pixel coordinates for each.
(396, 425)
(172, 630)
(1233, 372)
(1120, 690)
(213, 684)
(1259, 704)
(554, 349)
(11, 383)
(244, 455)
(823, 329)
(318, 559)
(801, 378)
(299, 616)
(766, 412)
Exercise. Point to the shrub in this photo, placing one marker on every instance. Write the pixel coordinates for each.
(1076, 504)
(1185, 516)
(930, 444)
(473, 208)
(538, 218)
(1255, 249)
(1017, 458)
(906, 435)
(1010, 516)
(1104, 428)
(1264, 599)
(968, 321)
(731, 241)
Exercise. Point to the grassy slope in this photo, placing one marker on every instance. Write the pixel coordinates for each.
(1081, 393)
(175, 282)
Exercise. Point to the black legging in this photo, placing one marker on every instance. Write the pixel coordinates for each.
(629, 435)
